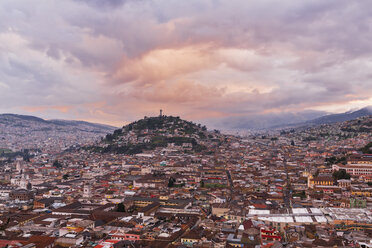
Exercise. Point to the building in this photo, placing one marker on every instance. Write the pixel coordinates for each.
(354, 169)
(319, 181)
(21, 195)
(357, 165)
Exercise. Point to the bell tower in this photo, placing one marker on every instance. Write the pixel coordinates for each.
(87, 191)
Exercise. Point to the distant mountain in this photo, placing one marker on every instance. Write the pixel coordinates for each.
(263, 121)
(21, 117)
(160, 132)
(272, 121)
(23, 131)
(103, 127)
(347, 116)
(82, 125)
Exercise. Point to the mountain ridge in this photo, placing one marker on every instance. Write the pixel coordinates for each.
(257, 123)
(340, 117)
(55, 121)
(24, 131)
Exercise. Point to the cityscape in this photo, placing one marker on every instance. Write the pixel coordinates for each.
(185, 124)
(165, 182)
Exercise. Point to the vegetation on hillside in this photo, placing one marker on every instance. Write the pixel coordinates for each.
(333, 160)
(156, 132)
(367, 148)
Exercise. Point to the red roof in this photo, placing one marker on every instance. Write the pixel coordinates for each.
(4, 243)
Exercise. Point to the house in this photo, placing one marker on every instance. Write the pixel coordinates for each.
(41, 241)
(191, 238)
(46, 202)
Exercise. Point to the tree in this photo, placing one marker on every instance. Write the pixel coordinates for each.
(301, 194)
(367, 148)
(171, 182)
(65, 177)
(202, 184)
(57, 164)
(341, 174)
(331, 160)
(120, 208)
(292, 143)
(334, 160)
(109, 137)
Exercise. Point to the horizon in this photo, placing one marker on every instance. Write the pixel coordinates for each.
(220, 63)
(227, 129)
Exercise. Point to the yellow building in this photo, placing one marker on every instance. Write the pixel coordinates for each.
(319, 180)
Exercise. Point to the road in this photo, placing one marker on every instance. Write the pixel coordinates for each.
(230, 184)
(287, 192)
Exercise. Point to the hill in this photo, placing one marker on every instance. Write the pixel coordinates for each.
(160, 132)
(358, 129)
(8, 118)
(347, 116)
(23, 131)
(276, 121)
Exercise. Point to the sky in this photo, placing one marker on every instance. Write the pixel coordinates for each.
(115, 61)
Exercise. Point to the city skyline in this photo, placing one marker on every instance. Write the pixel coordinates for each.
(116, 61)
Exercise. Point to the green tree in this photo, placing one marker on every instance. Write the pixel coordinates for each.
(120, 208)
(341, 174)
(171, 182)
(65, 177)
(367, 148)
(330, 160)
(57, 164)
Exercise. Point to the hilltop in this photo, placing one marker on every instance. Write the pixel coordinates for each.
(151, 133)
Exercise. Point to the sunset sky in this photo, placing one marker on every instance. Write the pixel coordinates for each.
(114, 61)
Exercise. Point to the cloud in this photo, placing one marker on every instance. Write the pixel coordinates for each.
(104, 3)
(163, 64)
(197, 59)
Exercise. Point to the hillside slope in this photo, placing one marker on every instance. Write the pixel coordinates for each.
(161, 132)
(22, 131)
(347, 116)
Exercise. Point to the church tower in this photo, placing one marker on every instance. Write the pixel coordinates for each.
(19, 166)
(87, 191)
